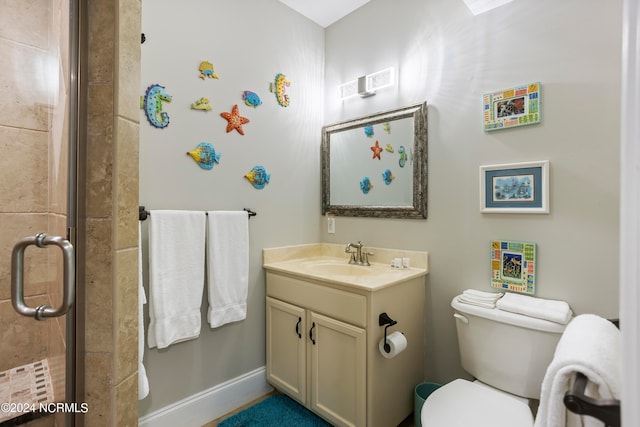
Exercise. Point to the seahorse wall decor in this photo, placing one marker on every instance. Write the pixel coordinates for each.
(279, 87)
(152, 105)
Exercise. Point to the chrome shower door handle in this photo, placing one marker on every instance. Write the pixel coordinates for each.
(17, 276)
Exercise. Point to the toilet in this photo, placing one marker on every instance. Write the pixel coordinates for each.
(508, 355)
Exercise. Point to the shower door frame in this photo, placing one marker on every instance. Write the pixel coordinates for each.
(74, 369)
(76, 134)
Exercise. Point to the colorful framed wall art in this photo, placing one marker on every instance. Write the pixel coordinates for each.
(515, 188)
(516, 106)
(513, 266)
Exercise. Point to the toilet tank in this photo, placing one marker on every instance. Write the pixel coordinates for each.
(505, 350)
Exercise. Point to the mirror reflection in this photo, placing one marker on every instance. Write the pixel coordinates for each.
(376, 165)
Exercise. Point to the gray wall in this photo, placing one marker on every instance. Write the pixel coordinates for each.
(444, 55)
(450, 58)
(248, 42)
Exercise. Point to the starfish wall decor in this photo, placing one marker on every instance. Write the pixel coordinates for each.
(234, 120)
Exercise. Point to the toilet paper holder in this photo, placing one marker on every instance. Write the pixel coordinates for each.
(384, 319)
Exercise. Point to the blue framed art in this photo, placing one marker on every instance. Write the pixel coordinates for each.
(515, 188)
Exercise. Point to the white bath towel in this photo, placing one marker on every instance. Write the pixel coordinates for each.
(590, 345)
(176, 275)
(227, 266)
(552, 310)
(143, 381)
(480, 298)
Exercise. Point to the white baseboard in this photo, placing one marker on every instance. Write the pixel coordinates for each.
(199, 409)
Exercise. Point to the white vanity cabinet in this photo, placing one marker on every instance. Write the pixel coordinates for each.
(322, 347)
(304, 344)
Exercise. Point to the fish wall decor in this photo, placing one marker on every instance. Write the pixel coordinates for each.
(206, 70)
(252, 99)
(205, 155)
(258, 177)
(201, 104)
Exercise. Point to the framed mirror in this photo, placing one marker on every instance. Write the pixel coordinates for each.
(376, 166)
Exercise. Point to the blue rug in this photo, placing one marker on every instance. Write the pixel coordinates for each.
(276, 411)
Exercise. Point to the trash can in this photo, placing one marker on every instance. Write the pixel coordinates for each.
(421, 394)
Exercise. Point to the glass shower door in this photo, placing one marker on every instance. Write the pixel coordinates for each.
(36, 257)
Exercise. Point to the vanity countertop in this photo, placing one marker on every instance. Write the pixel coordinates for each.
(327, 262)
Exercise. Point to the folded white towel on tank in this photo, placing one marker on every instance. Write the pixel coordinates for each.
(552, 310)
(480, 298)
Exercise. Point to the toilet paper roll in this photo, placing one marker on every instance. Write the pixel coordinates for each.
(397, 344)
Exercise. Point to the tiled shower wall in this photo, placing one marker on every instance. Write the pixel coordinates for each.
(110, 219)
(108, 293)
(33, 174)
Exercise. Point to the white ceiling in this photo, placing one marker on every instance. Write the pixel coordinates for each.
(324, 12)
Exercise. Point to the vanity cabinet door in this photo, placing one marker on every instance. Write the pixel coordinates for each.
(338, 370)
(286, 344)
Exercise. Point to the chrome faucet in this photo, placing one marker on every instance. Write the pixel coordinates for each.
(360, 256)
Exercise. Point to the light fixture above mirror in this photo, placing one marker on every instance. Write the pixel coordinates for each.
(365, 86)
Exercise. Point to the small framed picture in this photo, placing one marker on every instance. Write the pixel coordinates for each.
(515, 188)
(516, 106)
(513, 266)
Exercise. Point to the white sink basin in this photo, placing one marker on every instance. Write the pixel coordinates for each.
(340, 269)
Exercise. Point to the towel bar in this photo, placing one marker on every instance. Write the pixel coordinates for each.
(143, 214)
(605, 410)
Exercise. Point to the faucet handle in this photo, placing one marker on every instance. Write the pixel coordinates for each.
(365, 256)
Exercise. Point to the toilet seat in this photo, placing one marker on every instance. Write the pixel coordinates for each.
(462, 403)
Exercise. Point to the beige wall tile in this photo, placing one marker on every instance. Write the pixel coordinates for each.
(23, 161)
(126, 314)
(59, 34)
(128, 67)
(98, 389)
(112, 200)
(25, 21)
(127, 402)
(98, 286)
(101, 17)
(99, 151)
(126, 182)
(27, 337)
(25, 99)
(59, 160)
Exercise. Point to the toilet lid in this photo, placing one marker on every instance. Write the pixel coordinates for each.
(462, 403)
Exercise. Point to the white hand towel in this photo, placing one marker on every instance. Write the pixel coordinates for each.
(590, 345)
(476, 294)
(480, 298)
(143, 381)
(552, 310)
(176, 275)
(227, 266)
(478, 303)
